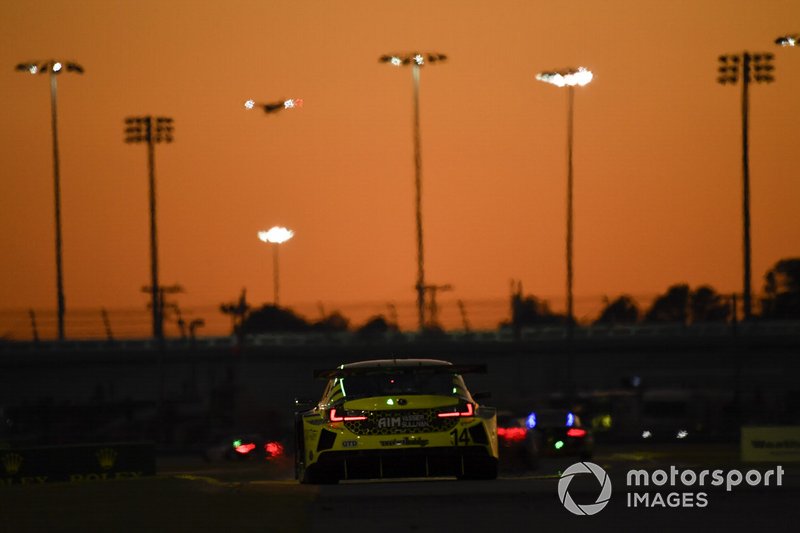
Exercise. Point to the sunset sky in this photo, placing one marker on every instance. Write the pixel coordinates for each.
(657, 150)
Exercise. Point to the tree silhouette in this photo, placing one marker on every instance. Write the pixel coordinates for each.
(623, 310)
(272, 319)
(682, 305)
(376, 328)
(238, 312)
(706, 305)
(672, 306)
(782, 290)
(529, 310)
(332, 323)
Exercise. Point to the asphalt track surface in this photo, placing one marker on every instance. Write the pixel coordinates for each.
(189, 495)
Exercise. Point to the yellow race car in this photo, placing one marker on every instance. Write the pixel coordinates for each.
(395, 418)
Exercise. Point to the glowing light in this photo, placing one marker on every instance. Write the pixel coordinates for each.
(236, 443)
(33, 69)
(581, 77)
(530, 422)
(605, 421)
(276, 235)
(576, 432)
(788, 40)
(389, 402)
(396, 61)
(512, 434)
(249, 104)
(244, 449)
(57, 66)
(419, 59)
(346, 418)
(682, 434)
(273, 449)
(292, 103)
(558, 445)
(469, 412)
(570, 420)
(646, 434)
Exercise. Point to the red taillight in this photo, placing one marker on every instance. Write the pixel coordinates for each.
(512, 434)
(344, 418)
(576, 432)
(273, 449)
(244, 449)
(468, 411)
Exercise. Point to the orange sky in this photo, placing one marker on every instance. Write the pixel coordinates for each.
(657, 148)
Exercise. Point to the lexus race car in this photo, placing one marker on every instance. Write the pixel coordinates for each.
(396, 418)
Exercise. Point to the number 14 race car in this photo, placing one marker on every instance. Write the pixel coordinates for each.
(396, 418)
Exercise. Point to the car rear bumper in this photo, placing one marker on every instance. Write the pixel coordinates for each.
(404, 463)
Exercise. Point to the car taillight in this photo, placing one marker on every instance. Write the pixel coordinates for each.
(468, 410)
(576, 432)
(244, 449)
(273, 449)
(512, 434)
(344, 417)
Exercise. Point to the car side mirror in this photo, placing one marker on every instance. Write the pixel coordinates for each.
(485, 395)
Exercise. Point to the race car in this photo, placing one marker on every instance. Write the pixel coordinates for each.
(560, 433)
(396, 418)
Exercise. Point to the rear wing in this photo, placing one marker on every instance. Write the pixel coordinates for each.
(418, 369)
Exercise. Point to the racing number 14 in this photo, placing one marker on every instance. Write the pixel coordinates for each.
(459, 438)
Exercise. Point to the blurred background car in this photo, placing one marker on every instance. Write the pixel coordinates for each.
(560, 433)
(240, 447)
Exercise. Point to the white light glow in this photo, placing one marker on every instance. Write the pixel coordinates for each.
(581, 77)
(419, 59)
(682, 434)
(276, 235)
(789, 41)
(33, 69)
(57, 66)
(396, 61)
(646, 434)
(249, 104)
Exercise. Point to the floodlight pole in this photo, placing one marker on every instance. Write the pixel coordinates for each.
(54, 68)
(152, 130)
(416, 60)
(729, 73)
(420, 286)
(57, 194)
(570, 115)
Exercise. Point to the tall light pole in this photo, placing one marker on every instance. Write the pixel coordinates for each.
(749, 67)
(568, 78)
(151, 130)
(417, 60)
(276, 236)
(54, 68)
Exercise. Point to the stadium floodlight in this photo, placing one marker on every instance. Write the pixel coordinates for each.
(152, 130)
(417, 60)
(569, 78)
(276, 236)
(54, 68)
(749, 68)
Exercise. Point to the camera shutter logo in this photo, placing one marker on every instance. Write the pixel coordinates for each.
(566, 479)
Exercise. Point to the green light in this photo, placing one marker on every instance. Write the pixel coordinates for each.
(455, 390)
(559, 444)
(389, 402)
(237, 443)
